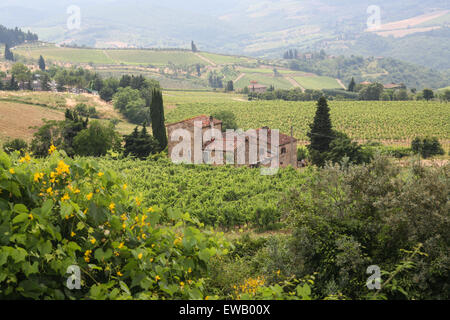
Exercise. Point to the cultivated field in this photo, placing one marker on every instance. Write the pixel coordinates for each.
(390, 122)
(17, 120)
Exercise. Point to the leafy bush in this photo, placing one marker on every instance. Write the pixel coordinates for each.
(60, 212)
(427, 147)
(228, 119)
(357, 216)
(96, 140)
(85, 111)
(15, 145)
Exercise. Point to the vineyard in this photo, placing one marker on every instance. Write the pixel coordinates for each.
(222, 196)
(393, 122)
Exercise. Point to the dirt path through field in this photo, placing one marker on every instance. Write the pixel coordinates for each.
(205, 59)
(105, 52)
(239, 78)
(295, 83)
(341, 84)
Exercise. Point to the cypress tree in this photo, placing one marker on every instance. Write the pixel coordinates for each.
(157, 117)
(8, 54)
(321, 133)
(41, 63)
(351, 86)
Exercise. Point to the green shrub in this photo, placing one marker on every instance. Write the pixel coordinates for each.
(60, 212)
(427, 147)
(15, 145)
(348, 218)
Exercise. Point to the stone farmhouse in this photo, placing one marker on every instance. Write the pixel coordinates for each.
(255, 87)
(252, 148)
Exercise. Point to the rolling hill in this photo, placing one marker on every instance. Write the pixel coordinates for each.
(250, 27)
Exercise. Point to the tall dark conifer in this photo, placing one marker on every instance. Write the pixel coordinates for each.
(41, 63)
(321, 133)
(157, 118)
(8, 54)
(351, 85)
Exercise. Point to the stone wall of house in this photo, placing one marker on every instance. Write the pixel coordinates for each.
(189, 126)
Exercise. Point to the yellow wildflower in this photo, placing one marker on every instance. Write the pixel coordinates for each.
(119, 274)
(62, 168)
(121, 245)
(52, 149)
(112, 206)
(30, 216)
(12, 171)
(72, 234)
(89, 196)
(101, 174)
(27, 158)
(93, 240)
(157, 278)
(65, 197)
(140, 256)
(124, 187)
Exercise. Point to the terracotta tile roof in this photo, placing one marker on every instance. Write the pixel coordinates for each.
(216, 145)
(204, 118)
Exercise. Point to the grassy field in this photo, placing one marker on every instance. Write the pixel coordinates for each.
(318, 82)
(68, 55)
(265, 79)
(17, 120)
(226, 59)
(20, 111)
(153, 57)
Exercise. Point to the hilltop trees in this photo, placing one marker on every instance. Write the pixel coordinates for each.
(157, 117)
(15, 36)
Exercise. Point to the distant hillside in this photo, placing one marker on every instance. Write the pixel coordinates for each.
(250, 27)
(383, 70)
(184, 69)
